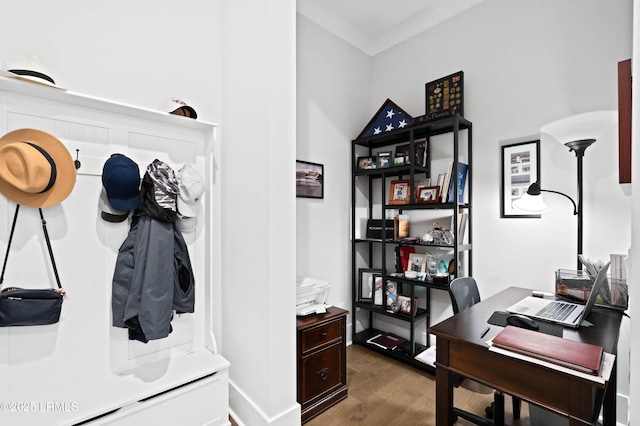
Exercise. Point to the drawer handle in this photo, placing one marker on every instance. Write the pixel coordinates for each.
(324, 334)
(323, 373)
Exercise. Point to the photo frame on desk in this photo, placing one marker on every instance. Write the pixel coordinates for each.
(520, 168)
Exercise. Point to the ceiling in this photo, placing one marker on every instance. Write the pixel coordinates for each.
(376, 25)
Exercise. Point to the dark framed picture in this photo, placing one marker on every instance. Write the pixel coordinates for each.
(309, 180)
(427, 194)
(366, 163)
(399, 191)
(421, 152)
(407, 306)
(370, 281)
(445, 96)
(520, 168)
(384, 159)
(402, 155)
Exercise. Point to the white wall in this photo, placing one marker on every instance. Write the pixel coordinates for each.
(138, 53)
(517, 79)
(634, 255)
(258, 166)
(333, 80)
(526, 64)
(142, 52)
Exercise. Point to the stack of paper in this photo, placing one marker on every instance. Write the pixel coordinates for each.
(311, 295)
(428, 356)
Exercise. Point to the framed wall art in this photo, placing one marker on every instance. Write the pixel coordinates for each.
(520, 168)
(445, 96)
(309, 180)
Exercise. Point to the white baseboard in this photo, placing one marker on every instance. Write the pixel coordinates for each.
(246, 412)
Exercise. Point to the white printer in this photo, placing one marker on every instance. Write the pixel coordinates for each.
(311, 296)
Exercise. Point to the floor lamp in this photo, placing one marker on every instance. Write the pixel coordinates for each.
(532, 201)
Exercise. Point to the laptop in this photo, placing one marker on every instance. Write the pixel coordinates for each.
(560, 312)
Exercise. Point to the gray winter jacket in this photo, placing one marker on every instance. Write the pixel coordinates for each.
(152, 277)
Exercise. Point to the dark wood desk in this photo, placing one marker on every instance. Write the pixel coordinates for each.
(461, 350)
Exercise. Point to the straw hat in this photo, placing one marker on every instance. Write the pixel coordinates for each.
(36, 169)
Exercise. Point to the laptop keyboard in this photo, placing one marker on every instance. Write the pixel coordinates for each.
(556, 311)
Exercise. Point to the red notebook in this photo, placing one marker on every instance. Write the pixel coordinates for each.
(579, 356)
(387, 340)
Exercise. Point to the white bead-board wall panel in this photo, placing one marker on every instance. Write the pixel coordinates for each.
(83, 367)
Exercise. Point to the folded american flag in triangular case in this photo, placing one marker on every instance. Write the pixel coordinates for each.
(388, 118)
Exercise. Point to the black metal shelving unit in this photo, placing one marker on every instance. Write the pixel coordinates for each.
(375, 251)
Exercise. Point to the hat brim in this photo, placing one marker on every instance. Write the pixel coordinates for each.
(65, 176)
(187, 224)
(29, 79)
(107, 212)
(185, 111)
(186, 209)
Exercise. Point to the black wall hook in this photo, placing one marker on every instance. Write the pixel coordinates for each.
(77, 162)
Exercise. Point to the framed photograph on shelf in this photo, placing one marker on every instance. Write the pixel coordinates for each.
(420, 148)
(391, 292)
(309, 180)
(428, 194)
(366, 163)
(520, 168)
(417, 262)
(370, 283)
(384, 159)
(402, 155)
(407, 306)
(399, 191)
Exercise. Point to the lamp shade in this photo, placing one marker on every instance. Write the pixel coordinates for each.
(530, 203)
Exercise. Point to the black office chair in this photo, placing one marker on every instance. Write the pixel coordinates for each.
(464, 294)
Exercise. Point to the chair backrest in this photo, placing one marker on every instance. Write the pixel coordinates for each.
(464, 293)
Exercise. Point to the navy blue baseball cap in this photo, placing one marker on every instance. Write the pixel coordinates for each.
(121, 182)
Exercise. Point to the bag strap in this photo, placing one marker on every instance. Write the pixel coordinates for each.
(46, 237)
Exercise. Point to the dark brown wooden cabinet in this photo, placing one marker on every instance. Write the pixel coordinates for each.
(322, 361)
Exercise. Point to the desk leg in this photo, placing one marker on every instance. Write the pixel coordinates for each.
(609, 405)
(444, 385)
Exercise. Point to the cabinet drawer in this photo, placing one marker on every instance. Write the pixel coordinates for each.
(323, 334)
(322, 372)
